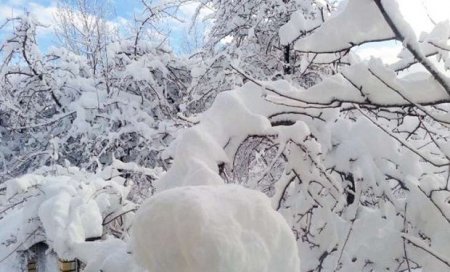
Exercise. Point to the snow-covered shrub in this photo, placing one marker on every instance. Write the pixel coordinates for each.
(67, 209)
(213, 228)
(54, 109)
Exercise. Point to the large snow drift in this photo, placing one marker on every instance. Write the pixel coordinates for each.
(213, 228)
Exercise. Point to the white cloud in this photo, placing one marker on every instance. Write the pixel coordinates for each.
(185, 15)
(420, 14)
(386, 51)
(438, 9)
(6, 11)
(43, 14)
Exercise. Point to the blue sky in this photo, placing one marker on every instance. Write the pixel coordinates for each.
(126, 10)
(123, 11)
(44, 9)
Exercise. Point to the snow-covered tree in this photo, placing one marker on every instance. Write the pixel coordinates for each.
(31, 98)
(83, 28)
(54, 109)
(358, 163)
(353, 153)
(245, 34)
(57, 117)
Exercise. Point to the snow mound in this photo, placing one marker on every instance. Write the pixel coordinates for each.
(213, 228)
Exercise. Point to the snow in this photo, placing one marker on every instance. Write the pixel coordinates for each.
(294, 28)
(132, 166)
(63, 210)
(429, 265)
(362, 21)
(352, 163)
(373, 90)
(203, 144)
(212, 228)
(17, 186)
(109, 255)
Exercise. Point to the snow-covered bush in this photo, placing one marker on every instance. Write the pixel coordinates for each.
(54, 109)
(67, 209)
(213, 228)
